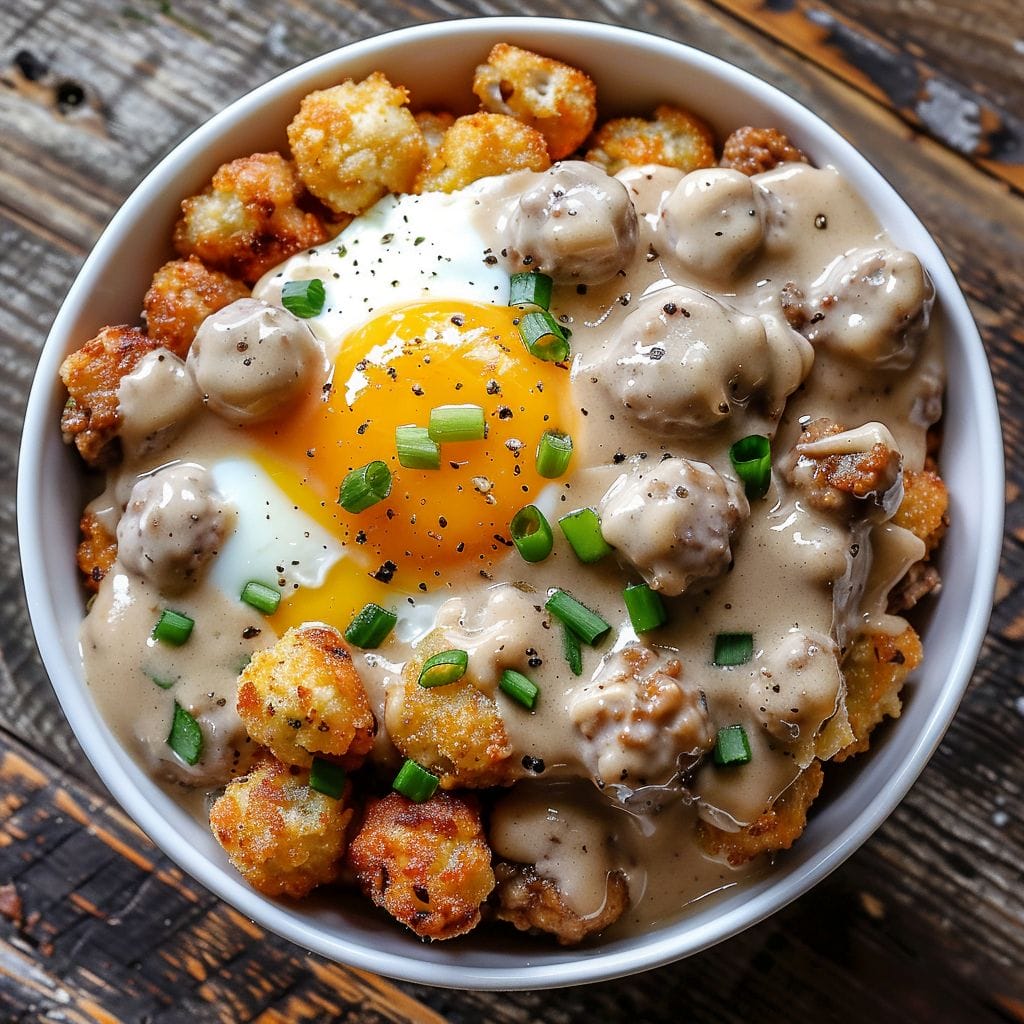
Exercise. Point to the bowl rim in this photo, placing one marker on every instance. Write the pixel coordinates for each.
(592, 964)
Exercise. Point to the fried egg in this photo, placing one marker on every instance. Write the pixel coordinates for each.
(415, 317)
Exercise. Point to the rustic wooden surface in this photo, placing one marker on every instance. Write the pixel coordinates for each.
(925, 923)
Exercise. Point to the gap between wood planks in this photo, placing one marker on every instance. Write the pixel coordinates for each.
(924, 98)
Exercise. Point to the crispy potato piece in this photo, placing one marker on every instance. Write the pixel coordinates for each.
(97, 550)
(924, 510)
(91, 374)
(183, 294)
(754, 150)
(427, 864)
(530, 901)
(875, 670)
(248, 219)
(433, 126)
(356, 141)
(282, 836)
(303, 696)
(558, 100)
(777, 829)
(478, 146)
(671, 138)
(455, 731)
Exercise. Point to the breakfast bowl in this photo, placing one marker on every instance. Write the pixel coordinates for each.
(633, 72)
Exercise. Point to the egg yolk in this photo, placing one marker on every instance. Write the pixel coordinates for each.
(391, 372)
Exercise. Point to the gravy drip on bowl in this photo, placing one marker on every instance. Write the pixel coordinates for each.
(721, 306)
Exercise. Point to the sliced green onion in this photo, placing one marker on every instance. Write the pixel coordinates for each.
(444, 668)
(588, 625)
(520, 688)
(543, 337)
(582, 530)
(645, 607)
(553, 453)
(751, 457)
(530, 289)
(733, 648)
(327, 777)
(173, 628)
(457, 423)
(531, 534)
(415, 449)
(185, 737)
(162, 681)
(263, 598)
(572, 649)
(364, 487)
(304, 298)
(732, 746)
(370, 627)
(415, 782)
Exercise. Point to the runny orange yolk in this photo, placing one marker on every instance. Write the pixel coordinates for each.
(392, 372)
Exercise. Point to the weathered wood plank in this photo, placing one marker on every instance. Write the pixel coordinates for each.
(959, 102)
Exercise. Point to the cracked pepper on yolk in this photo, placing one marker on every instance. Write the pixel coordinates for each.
(392, 372)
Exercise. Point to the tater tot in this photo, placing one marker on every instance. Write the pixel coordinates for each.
(97, 550)
(92, 374)
(875, 670)
(427, 864)
(356, 141)
(672, 138)
(480, 145)
(777, 829)
(248, 219)
(455, 731)
(558, 100)
(183, 294)
(532, 902)
(303, 697)
(925, 507)
(282, 836)
(433, 125)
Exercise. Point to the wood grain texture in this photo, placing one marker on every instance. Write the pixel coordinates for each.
(926, 922)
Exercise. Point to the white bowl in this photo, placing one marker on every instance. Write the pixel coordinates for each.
(634, 72)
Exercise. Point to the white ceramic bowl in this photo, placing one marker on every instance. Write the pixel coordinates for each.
(633, 72)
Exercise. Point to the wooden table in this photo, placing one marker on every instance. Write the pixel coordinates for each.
(925, 923)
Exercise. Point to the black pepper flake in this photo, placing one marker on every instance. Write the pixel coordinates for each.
(821, 222)
(533, 764)
(656, 353)
(29, 65)
(386, 573)
(504, 412)
(458, 319)
(490, 259)
(361, 537)
(581, 289)
(618, 458)
(250, 632)
(817, 318)
(361, 429)
(442, 522)
(420, 892)
(417, 390)
(70, 94)
(310, 453)
(493, 387)
(502, 540)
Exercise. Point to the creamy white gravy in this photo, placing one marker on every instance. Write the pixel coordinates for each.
(681, 351)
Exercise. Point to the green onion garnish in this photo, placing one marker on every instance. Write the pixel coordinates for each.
(415, 449)
(645, 607)
(457, 423)
(732, 746)
(327, 777)
(572, 649)
(582, 530)
(531, 534)
(588, 625)
(543, 337)
(444, 668)
(530, 289)
(415, 782)
(553, 453)
(304, 298)
(733, 648)
(185, 737)
(521, 689)
(751, 457)
(370, 627)
(263, 598)
(162, 681)
(364, 487)
(173, 628)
